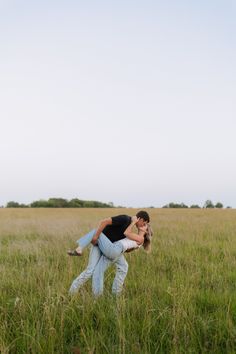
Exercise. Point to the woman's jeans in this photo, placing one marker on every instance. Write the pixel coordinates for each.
(109, 249)
(97, 266)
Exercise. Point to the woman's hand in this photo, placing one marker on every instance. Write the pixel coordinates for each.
(143, 228)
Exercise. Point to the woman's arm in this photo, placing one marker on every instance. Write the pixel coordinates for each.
(135, 237)
(139, 238)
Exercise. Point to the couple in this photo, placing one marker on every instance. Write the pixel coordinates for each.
(110, 240)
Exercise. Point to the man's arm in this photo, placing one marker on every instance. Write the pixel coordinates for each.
(139, 238)
(101, 226)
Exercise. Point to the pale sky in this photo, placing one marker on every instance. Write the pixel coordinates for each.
(130, 102)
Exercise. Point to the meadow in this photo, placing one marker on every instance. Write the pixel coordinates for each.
(180, 298)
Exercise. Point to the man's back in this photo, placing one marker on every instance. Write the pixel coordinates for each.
(115, 231)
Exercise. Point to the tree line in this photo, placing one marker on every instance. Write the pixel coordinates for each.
(208, 204)
(61, 203)
(78, 203)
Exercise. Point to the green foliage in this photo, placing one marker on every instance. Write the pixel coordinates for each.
(40, 204)
(208, 204)
(176, 205)
(61, 203)
(16, 205)
(75, 203)
(58, 203)
(12, 205)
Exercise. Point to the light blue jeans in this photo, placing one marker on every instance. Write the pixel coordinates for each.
(97, 266)
(109, 249)
(98, 275)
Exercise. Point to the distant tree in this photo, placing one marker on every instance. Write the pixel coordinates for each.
(175, 205)
(228, 207)
(195, 206)
(61, 203)
(75, 203)
(57, 203)
(219, 205)
(95, 204)
(182, 205)
(13, 205)
(166, 206)
(39, 204)
(16, 205)
(208, 204)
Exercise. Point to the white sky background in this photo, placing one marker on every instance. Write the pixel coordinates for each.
(125, 101)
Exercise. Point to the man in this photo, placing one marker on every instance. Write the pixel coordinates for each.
(113, 228)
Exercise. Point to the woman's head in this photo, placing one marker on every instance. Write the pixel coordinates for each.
(147, 239)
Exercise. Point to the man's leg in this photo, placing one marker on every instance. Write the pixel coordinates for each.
(121, 272)
(94, 256)
(101, 267)
(98, 275)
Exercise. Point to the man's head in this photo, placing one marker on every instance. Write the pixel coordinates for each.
(143, 217)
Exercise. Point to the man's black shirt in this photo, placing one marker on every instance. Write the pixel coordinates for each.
(115, 231)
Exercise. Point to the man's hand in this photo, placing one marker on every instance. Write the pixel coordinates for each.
(94, 241)
(103, 223)
(135, 220)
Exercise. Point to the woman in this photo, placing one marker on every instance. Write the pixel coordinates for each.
(109, 249)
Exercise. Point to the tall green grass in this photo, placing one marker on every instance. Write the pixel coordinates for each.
(181, 298)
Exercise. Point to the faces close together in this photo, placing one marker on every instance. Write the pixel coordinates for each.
(141, 223)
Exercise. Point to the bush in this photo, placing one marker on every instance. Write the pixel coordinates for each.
(219, 205)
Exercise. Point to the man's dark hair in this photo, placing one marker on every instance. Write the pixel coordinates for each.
(143, 215)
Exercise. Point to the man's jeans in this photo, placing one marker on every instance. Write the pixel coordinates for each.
(98, 275)
(96, 267)
(109, 249)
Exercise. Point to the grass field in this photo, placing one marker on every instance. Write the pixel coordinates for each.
(181, 298)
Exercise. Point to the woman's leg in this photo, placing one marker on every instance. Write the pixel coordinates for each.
(109, 249)
(94, 257)
(85, 240)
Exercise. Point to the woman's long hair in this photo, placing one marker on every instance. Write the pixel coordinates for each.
(147, 239)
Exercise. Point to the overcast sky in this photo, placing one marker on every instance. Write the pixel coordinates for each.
(130, 102)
